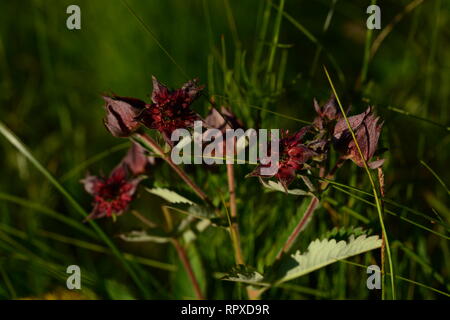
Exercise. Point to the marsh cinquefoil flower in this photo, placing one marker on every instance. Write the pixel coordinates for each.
(367, 129)
(113, 194)
(293, 154)
(170, 109)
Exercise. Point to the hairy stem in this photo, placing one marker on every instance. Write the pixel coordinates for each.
(187, 266)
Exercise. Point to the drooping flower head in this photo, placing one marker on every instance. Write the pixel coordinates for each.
(171, 109)
(121, 114)
(293, 154)
(367, 128)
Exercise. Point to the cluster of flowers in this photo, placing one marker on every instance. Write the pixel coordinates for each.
(171, 109)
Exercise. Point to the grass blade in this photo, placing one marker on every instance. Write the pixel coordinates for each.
(377, 200)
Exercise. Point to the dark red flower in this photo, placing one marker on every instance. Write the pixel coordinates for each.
(113, 194)
(367, 128)
(293, 155)
(121, 113)
(170, 109)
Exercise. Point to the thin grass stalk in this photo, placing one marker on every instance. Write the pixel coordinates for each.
(383, 243)
(374, 189)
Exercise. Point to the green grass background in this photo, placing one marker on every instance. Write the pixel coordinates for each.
(249, 56)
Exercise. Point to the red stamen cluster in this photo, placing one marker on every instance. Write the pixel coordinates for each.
(293, 154)
(170, 109)
(112, 195)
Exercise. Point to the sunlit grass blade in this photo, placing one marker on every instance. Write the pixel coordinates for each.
(374, 189)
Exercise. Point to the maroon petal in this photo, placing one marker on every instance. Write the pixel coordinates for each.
(119, 173)
(330, 109)
(376, 164)
(286, 176)
(225, 119)
(160, 92)
(136, 160)
(95, 213)
(355, 122)
(121, 115)
(90, 184)
(367, 128)
(215, 120)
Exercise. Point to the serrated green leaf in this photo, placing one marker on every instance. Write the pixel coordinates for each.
(276, 186)
(169, 195)
(143, 236)
(321, 253)
(245, 274)
(345, 233)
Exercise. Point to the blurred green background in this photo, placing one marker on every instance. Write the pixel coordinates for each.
(249, 56)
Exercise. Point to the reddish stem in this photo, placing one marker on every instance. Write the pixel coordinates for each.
(233, 210)
(302, 223)
(187, 266)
